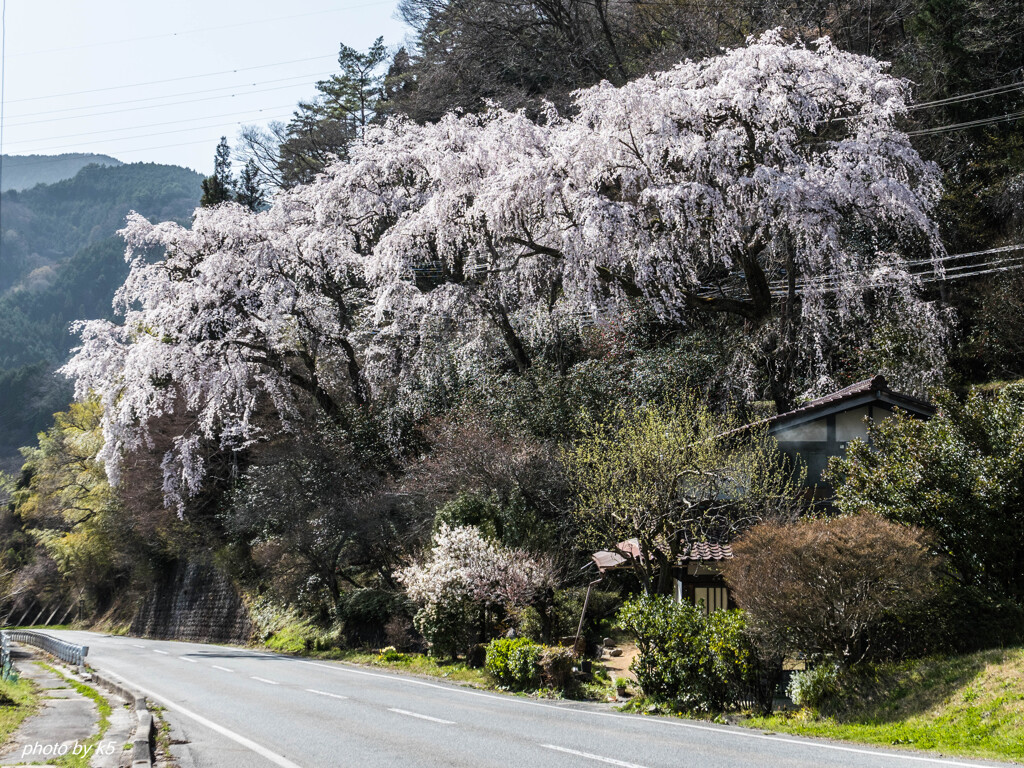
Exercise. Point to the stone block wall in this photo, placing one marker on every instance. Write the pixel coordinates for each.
(194, 601)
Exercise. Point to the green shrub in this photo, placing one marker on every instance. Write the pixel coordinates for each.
(365, 614)
(514, 662)
(814, 688)
(449, 628)
(391, 655)
(694, 661)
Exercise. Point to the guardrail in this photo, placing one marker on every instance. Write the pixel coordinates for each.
(66, 652)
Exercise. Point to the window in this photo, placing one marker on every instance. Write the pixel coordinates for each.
(711, 598)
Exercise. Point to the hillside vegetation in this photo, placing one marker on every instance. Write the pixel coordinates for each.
(965, 705)
(61, 261)
(25, 171)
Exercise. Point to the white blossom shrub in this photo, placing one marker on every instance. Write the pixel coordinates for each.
(462, 575)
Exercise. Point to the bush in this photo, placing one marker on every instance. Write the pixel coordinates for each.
(697, 662)
(514, 662)
(823, 586)
(449, 627)
(816, 687)
(366, 613)
(556, 667)
(391, 655)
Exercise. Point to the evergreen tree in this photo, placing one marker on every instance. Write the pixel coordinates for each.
(219, 187)
(249, 191)
(325, 127)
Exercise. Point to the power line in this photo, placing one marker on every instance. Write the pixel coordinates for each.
(971, 96)
(160, 133)
(173, 79)
(204, 29)
(171, 96)
(150, 106)
(153, 107)
(822, 283)
(968, 124)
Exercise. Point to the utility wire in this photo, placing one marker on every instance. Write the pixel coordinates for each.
(971, 96)
(204, 29)
(968, 124)
(174, 79)
(218, 125)
(171, 96)
(151, 106)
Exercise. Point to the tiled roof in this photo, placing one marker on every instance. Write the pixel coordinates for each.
(877, 384)
(608, 560)
(704, 551)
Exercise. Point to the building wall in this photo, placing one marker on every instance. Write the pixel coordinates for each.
(815, 442)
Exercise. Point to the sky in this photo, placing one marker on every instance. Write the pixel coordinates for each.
(147, 81)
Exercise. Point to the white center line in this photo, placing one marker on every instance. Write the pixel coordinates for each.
(325, 693)
(599, 758)
(186, 658)
(162, 653)
(136, 645)
(259, 749)
(422, 717)
(222, 669)
(660, 723)
(263, 680)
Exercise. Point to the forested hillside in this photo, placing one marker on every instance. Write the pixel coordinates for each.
(517, 290)
(25, 171)
(61, 261)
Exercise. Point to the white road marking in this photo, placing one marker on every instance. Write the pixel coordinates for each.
(421, 717)
(186, 658)
(259, 749)
(263, 680)
(222, 669)
(162, 653)
(325, 693)
(609, 760)
(722, 730)
(658, 723)
(136, 645)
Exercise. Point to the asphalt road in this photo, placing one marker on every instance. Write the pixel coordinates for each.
(233, 707)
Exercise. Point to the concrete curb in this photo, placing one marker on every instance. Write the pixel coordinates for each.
(144, 732)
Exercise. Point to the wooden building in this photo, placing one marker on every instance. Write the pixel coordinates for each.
(812, 433)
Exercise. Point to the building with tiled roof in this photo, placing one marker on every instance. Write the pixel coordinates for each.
(812, 433)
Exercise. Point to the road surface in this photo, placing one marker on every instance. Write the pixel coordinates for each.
(233, 707)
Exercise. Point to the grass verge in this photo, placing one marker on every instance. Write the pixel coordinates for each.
(82, 760)
(18, 699)
(970, 705)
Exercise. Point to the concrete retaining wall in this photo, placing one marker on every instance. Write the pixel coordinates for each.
(194, 601)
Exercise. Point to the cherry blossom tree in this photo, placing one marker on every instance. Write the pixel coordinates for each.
(770, 184)
(242, 313)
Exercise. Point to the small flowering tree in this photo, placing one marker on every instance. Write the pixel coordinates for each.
(463, 576)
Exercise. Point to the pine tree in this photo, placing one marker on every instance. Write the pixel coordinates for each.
(249, 191)
(324, 128)
(218, 188)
